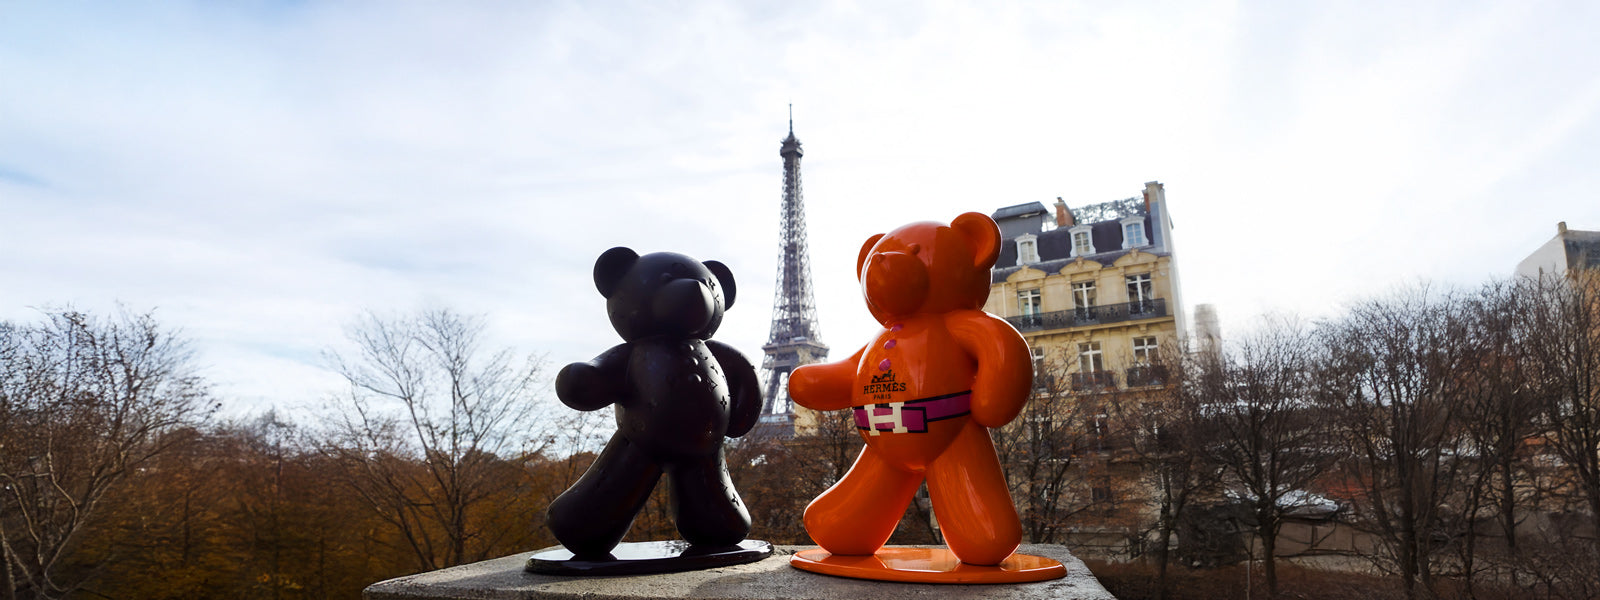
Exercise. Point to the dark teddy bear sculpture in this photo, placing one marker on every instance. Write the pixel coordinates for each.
(677, 392)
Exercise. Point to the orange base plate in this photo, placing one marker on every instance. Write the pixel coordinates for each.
(927, 565)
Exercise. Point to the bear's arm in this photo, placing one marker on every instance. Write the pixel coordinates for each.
(595, 384)
(1005, 368)
(744, 388)
(825, 386)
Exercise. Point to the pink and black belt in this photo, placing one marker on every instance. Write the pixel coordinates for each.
(912, 416)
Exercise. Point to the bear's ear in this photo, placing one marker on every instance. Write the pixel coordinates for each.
(982, 234)
(861, 259)
(724, 279)
(610, 268)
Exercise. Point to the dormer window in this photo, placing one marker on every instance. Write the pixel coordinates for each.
(1027, 249)
(1082, 241)
(1133, 233)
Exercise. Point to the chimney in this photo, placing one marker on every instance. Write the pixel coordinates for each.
(1063, 216)
(1561, 228)
(1153, 192)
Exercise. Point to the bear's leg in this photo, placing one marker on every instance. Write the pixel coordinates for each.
(593, 515)
(707, 508)
(971, 501)
(857, 515)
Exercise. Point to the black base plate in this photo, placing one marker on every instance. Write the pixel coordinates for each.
(639, 558)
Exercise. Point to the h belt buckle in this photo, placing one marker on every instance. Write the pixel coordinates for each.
(894, 418)
(912, 416)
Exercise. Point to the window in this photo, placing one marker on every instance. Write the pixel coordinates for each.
(1140, 294)
(1028, 302)
(1041, 380)
(1101, 431)
(1146, 369)
(1133, 233)
(1100, 493)
(1082, 241)
(1144, 350)
(1027, 249)
(1082, 294)
(1091, 375)
(1083, 300)
(1089, 360)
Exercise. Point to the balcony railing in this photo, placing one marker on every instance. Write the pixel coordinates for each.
(1093, 380)
(1143, 375)
(1091, 315)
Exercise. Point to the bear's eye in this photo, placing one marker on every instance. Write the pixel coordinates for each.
(914, 249)
(667, 278)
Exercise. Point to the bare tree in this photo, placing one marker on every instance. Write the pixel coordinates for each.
(426, 425)
(1392, 369)
(779, 478)
(577, 437)
(1269, 438)
(1038, 451)
(82, 402)
(829, 449)
(1169, 436)
(1560, 328)
(1497, 409)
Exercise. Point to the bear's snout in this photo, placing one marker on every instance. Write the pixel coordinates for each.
(684, 306)
(895, 282)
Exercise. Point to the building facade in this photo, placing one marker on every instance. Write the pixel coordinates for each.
(1095, 290)
(1569, 250)
(1096, 293)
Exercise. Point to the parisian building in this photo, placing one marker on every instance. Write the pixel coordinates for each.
(1095, 290)
(1569, 250)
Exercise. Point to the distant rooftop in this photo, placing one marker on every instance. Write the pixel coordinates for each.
(1024, 209)
(1041, 238)
(1583, 249)
(1569, 249)
(1113, 210)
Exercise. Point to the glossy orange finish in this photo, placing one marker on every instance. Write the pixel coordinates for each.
(925, 283)
(927, 565)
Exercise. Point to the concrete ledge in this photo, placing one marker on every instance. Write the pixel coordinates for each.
(770, 579)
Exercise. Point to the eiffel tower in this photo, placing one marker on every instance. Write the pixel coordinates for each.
(795, 339)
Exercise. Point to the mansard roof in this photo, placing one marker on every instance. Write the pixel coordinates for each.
(1026, 208)
(1055, 248)
(1583, 249)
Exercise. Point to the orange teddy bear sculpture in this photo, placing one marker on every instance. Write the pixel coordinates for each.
(925, 391)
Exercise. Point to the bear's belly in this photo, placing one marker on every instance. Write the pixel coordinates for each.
(912, 360)
(914, 451)
(679, 404)
(913, 388)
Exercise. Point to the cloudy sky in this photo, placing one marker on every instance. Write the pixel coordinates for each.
(260, 173)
